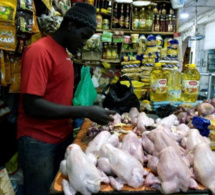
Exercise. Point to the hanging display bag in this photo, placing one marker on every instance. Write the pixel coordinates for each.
(119, 97)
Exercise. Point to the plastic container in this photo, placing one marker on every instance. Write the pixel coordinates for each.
(206, 128)
(190, 84)
(174, 85)
(158, 84)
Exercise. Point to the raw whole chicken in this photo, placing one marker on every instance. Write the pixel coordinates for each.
(132, 144)
(170, 120)
(133, 114)
(194, 138)
(204, 166)
(83, 176)
(95, 145)
(173, 172)
(143, 121)
(127, 168)
(161, 140)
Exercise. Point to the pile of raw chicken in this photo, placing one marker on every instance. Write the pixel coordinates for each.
(178, 157)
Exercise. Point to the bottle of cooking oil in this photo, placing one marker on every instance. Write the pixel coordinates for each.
(142, 15)
(190, 84)
(136, 19)
(174, 85)
(158, 84)
(149, 19)
(166, 72)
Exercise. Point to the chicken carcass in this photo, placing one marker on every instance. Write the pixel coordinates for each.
(127, 168)
(83, 176)
(194, 138)
(173, 172)
(204, 166)
(170, 120)
(133, 114)
(132, 144)
(161, 140)
(143, 121)
(95, 145)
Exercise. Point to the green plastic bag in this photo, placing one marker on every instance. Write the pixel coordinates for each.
(85, 93)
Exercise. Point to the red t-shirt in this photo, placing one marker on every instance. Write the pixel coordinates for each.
(47, 71)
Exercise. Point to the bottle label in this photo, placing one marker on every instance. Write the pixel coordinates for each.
(142, 23)
(159, 85)
(149, 23)
(170, 28)
(99, 23)
(127, 20)
(157, 27)
(174, 93)
(135, 23)
(115, 20)
(121, 21)
(190, 86)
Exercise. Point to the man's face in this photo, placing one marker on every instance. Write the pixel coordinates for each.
(77, 37)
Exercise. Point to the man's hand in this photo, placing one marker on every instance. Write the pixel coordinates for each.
(100, 115)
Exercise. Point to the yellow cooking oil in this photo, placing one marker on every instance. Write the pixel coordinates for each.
(174, 85)
(158, 84)
(190, 84)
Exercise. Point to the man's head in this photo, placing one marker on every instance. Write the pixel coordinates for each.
(78, 25)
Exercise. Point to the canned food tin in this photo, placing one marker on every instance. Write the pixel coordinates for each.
(105, 24)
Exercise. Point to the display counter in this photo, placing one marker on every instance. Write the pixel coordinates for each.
(82, 141)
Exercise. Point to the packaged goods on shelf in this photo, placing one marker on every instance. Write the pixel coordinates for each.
(107, 36)
(121, 16)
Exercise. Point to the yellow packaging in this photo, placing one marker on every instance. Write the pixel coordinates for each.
(2, 67)
(8, 11)
(158, 84)
(7, 37)
(16, 76)
(212, 139)
(190, 84)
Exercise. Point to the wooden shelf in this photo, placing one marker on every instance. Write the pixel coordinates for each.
(104, 14)
(111, 61)
(136, 32)
(87, 62)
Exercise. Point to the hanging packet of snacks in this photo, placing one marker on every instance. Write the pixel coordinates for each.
(25, 5)
(8, 11)
(26, 17)
(3, 72)
(62, 6)
(7, 36)
(26, 23)
(15, 74)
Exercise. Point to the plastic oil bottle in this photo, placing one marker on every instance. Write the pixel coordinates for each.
(174, 85)
(190, 84)
(158, 84)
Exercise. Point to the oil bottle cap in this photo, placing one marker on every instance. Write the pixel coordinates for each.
(191, 65)
(158, 64)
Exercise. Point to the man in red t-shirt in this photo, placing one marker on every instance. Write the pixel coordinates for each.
(45, 112)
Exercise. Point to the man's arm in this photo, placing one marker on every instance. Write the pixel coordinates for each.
(38, 107)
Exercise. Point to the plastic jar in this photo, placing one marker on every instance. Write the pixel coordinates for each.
(134, 38)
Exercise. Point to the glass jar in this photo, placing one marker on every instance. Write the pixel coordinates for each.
(105, 24)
